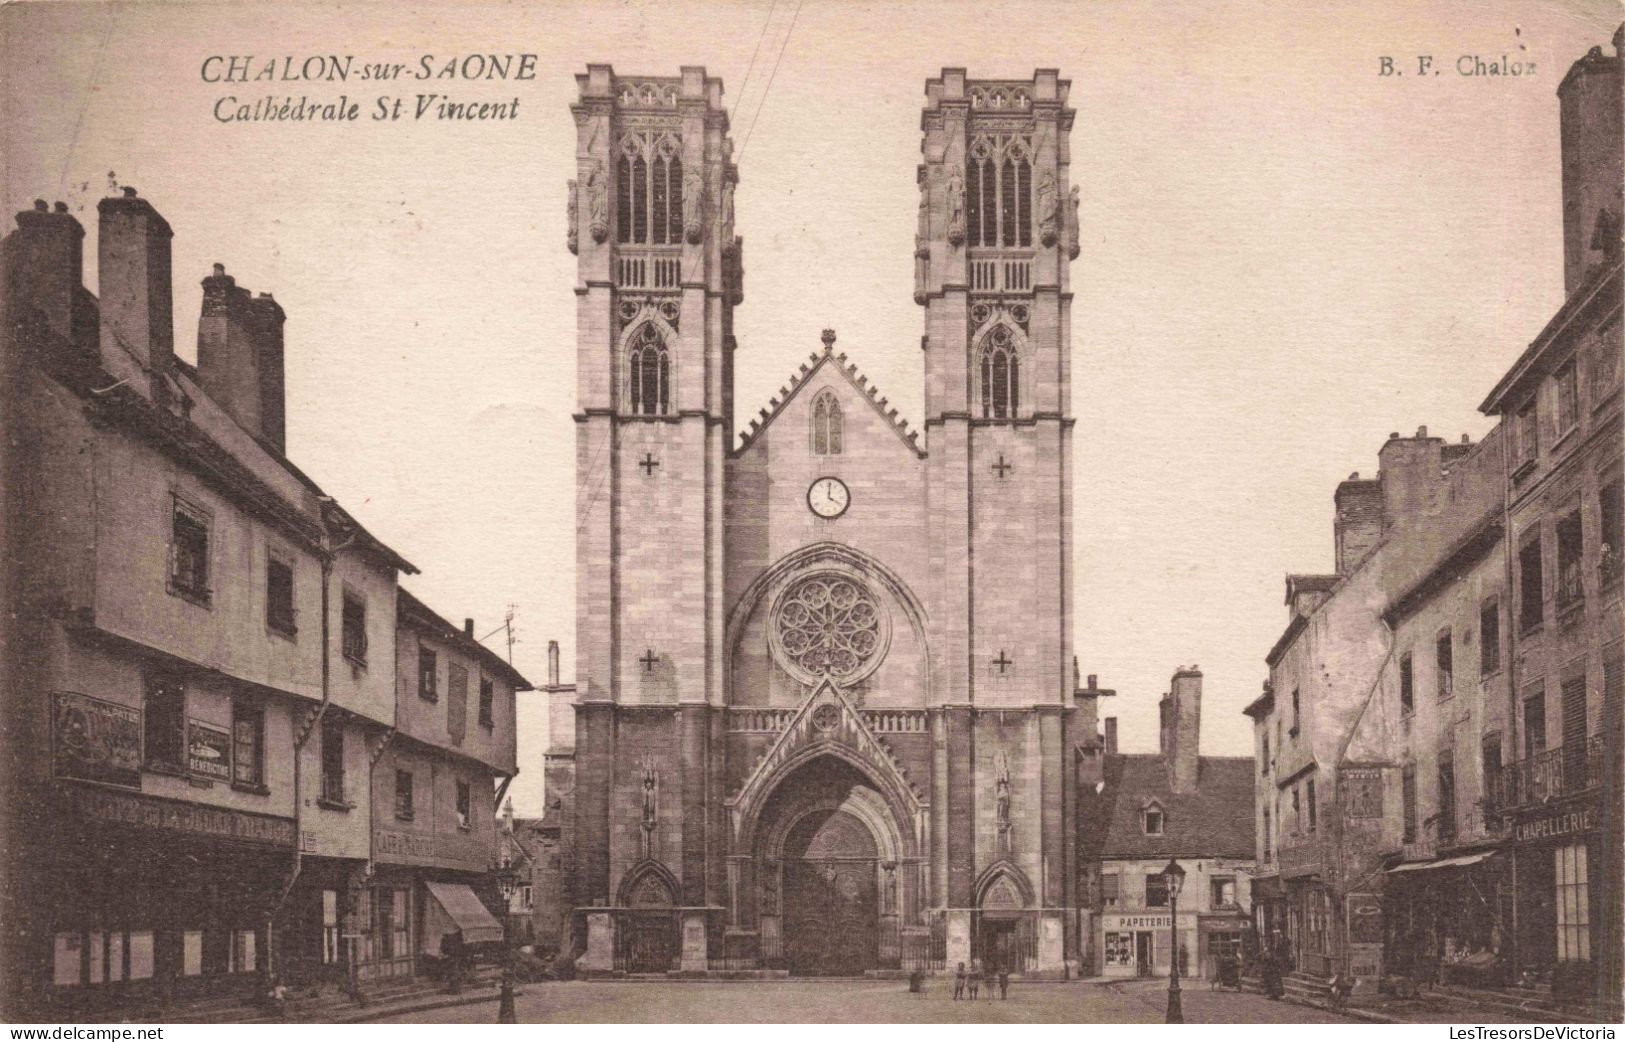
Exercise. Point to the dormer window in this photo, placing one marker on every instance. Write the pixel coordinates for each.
(826, 425)
(1152, 819)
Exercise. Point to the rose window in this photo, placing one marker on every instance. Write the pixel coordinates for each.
(829, 626)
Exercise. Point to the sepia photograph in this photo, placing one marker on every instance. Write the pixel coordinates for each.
(1146, 549)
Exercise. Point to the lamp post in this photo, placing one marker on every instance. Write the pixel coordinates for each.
(1175, 878)
(506, 883)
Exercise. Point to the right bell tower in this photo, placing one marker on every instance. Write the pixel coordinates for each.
(997, 229)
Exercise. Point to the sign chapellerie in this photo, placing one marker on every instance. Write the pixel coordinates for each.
(1568, 824)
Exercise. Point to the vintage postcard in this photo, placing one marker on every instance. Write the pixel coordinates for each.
(811, 511)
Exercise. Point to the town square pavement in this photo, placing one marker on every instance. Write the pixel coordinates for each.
(865, 1002)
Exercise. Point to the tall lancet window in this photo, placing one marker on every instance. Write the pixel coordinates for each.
(826, 425)
(999, 193)
(649, 192)
(650, 369)
(1001, 376)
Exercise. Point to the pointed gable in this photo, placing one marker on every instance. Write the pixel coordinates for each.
(817, 372)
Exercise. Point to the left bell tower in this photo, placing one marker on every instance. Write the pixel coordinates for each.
(650, 220)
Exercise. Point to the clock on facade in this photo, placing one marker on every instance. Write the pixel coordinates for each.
(828, 497)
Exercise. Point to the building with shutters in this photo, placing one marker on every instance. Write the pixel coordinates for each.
(1174, 805)
(1439, 740)
(205, 712)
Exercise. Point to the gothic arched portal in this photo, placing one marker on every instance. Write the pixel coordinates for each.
(827, 859)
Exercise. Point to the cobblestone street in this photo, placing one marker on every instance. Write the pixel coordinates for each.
(863, 1002)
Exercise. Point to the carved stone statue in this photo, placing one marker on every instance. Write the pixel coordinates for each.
(1073, 243)
(1002, 791)
(597, 202)
(727, 215)
(1047, 208)
(770, 888)
(572, 217)
(651, 782)
(922, 233)
(956, 207)
(890, 906)
(693, 205)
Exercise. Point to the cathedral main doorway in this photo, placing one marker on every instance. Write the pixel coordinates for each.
(827, 869)
(831, 897)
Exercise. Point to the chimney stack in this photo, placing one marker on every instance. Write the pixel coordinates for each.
(1589, 120)
(44, 268)
(135, 289)
(552, 663)
(240, 356)
(468, 628)
(1412, 475)
(1184, 721)
(1111, 736)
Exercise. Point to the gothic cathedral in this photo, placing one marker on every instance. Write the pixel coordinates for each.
(826, 705)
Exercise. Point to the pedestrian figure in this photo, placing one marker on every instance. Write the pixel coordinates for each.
(975, 978)
(959, 982)
(1004, 982)
(276, 999)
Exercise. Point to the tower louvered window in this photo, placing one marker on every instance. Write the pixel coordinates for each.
(826, 425)
(649, 366)
(999, 193)
(649, 192)
(1001, 376)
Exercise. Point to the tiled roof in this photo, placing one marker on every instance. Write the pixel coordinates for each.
(1216, 820)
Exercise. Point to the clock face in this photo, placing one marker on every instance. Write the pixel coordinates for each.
(828, 497)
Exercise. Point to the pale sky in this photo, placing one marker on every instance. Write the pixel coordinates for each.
(1285, 257)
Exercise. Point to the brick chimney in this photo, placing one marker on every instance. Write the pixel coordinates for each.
(1183, 724)
(1357, 520)
(268, 321)
(1412, 476)
(135, 289)
(1111, 736)
(561, 708)
(240, 356)
(44, 268)
(1590, 122)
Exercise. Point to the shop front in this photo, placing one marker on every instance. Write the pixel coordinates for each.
(1447, 919)
(1137, 944)
(429, 899)
(1556, 853)
(154, 900)
(1222, 936)
(1269, 911)
(1310, 923)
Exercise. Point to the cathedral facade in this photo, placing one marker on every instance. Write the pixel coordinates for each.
(826, 705)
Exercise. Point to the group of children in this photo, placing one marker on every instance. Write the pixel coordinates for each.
(974, 979)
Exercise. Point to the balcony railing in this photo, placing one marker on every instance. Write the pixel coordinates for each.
(654, 269)
(1568, 769)
(1001, 274)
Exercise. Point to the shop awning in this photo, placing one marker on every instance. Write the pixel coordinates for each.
(1449, 862)
(459, 909)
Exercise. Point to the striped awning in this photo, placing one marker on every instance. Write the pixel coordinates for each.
(1449, 862)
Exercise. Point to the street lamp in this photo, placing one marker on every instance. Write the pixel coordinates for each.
(1174, 876)
(507, 883)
